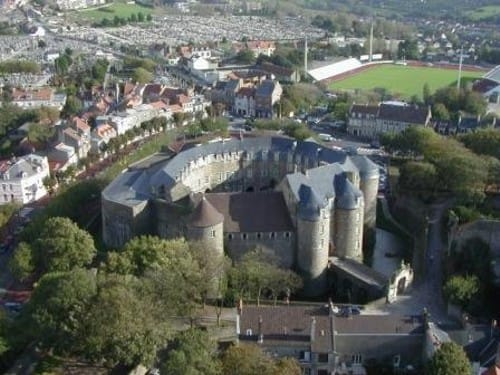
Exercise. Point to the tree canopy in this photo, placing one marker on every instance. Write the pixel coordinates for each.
(449, 359)
(62, 246)
(461, 289)
(194, 352)
(250, 360)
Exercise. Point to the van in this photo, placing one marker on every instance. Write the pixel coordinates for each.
(325, 137)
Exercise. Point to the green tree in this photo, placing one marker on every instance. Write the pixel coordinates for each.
(140, 17)
(40, 133)
(123, 325)
(461, 289)
(72, 107)
(194, 352)
(22, 265)
(440, 112)
(170, 273)
(483, 141)
(426, 94)
(141, 75)
(259, 271)
(449, 359)
(55, 313)
(245, 56)
(250, 360)
(418, 176)
(62, 246)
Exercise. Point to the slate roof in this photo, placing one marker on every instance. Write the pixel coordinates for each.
(347, 195)
(131, 190)
(205, 215)
(252, 212)
(266, 88)
(403, 113)
(310, 203)
(276, 69)
(361, 272)
(291, 325)
(365, 109)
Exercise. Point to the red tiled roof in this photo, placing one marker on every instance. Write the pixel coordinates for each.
(44, 93)
(158, 104)
(81, 124)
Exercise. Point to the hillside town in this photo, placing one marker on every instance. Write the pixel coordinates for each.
(194, 188)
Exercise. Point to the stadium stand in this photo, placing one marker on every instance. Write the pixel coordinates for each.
(493, 74)
(335, 69)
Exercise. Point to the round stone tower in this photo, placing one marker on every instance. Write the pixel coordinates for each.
(369, 182)
(313, 234)
(349, 209)
(206, 226)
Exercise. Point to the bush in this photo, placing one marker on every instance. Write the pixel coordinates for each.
(466, 214)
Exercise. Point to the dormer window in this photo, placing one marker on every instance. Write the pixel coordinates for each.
(248, 332)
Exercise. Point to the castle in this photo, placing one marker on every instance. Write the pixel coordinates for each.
(301, 201)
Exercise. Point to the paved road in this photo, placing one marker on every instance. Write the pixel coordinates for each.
(428, 293)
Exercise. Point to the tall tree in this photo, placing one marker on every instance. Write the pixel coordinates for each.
(449, 359)
(54, 315)
(122, 324)
(194, 352)
(62, 245)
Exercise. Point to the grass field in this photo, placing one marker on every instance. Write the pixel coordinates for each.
(402, 81)
(484, 12)
(116, 9)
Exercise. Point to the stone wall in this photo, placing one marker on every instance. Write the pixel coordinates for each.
(280, 244)
(120, 223)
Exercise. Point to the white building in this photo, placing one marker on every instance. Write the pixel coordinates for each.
(39, 97)
(134, 117)
(21, 179)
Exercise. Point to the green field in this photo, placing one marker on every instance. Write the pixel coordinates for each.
(484, 12)
(121, 10)
(402, 81)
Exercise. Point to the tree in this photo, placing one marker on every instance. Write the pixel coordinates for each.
(440, 112)
(259, 271)
(149, 18)
(179, 118)
(141, 75)
(194, 352)
(449, 359)
(40, 133)
(22, 265)
(426, 94)
(418, 176)
(62, 246)
(72, 107)
(461, 289)
(245, 56)
(246, 359)
(55, 313)
(170, 273)
(123, 324)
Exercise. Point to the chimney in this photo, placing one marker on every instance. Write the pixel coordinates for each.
(313, 328)
(261, 334)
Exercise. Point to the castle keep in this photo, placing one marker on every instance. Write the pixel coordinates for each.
(299, 200)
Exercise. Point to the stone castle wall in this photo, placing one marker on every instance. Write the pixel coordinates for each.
(280, 244)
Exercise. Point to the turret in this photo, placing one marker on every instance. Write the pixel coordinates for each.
(369, 181)
(313, 234)
(349, 209)
(206, 226)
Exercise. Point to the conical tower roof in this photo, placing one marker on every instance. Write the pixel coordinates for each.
(205, 215)
(310, 203)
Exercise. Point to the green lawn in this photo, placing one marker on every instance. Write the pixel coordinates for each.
(121, 10)
(484, 12)
(403, 81)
